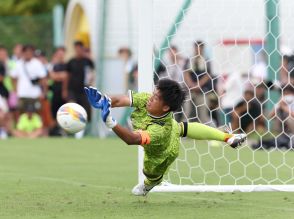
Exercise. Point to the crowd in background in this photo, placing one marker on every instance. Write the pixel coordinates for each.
(32, 88)
(243, 100)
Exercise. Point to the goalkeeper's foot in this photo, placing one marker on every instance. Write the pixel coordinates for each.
(141, 189)
(236, 140)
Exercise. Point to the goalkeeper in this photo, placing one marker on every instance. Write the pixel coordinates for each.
(154, 127)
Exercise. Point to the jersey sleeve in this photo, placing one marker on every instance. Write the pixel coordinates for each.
(138, 100)
(154, 135)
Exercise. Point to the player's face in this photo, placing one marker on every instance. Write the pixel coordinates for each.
(60, 54)
(155, 105)
(3, 55)
(79, 51)
(28, 54)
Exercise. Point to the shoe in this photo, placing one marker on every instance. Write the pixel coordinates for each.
(141, 189)
(236, 140)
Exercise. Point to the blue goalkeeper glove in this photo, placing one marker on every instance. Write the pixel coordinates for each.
(94, 97)
(106, 113)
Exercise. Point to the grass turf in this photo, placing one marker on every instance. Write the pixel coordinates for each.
(90, 178)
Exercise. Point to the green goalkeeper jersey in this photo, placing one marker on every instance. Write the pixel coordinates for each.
(163, 133)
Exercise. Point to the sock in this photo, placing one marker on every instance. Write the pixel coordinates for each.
(150, 183)
(198, 131)
(152, 180)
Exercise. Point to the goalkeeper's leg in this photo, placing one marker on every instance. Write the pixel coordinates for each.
(200, 131)
(149, 183)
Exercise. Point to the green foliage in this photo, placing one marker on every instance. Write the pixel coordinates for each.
(27, 21)
(36, 30)
(28, 7)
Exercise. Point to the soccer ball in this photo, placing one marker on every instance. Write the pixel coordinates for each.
(71, 117)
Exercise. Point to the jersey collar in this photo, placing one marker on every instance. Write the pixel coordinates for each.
(158, 117)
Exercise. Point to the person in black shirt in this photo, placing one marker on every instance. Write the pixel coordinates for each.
(198, 77)
(79, 69)
(247, 114)
(59, 76)
(3, 59)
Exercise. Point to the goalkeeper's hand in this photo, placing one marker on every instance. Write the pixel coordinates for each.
(94, 97)
(109, 121)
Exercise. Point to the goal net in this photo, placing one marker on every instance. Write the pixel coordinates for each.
(242, 49)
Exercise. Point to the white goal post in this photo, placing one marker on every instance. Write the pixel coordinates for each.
(210, 166)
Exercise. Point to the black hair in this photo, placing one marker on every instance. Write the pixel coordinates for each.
(289, 88)
(28, 47)
(59, 48)
(172, 93)
(125, 49)
(79, 43)
(173, 47)
(2, 47)
(199, 43)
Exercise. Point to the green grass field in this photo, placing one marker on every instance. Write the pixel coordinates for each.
(90, 178)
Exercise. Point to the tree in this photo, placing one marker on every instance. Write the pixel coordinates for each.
(27, 21)
(28, 7)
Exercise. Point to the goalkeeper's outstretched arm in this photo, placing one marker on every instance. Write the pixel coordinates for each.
(105, 104)
(129, 137)
(120, 101)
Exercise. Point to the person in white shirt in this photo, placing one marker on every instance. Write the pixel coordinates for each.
(258, 72)
(29, 79)
(284, 111)
(230, 89)
(175, 64)
(282, 117)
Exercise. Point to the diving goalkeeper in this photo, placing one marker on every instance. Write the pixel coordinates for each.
(154, 127)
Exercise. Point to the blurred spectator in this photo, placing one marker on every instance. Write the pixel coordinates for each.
(199, 81)
(160, 70)
(283, 117)
(29, 124)
(45, 112)
(4, 118)
(260, 93)
(79, 69)
(125, 54)
(88, 53)
(3, 71)
(59, 76)
(17, 52)
(292, 76)
(175, 64)
(258, 72)
(284, 111)
(231, 92)
(29, 78)
(287, 68)
(133, 78)
(246, 116)
(41, 56)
